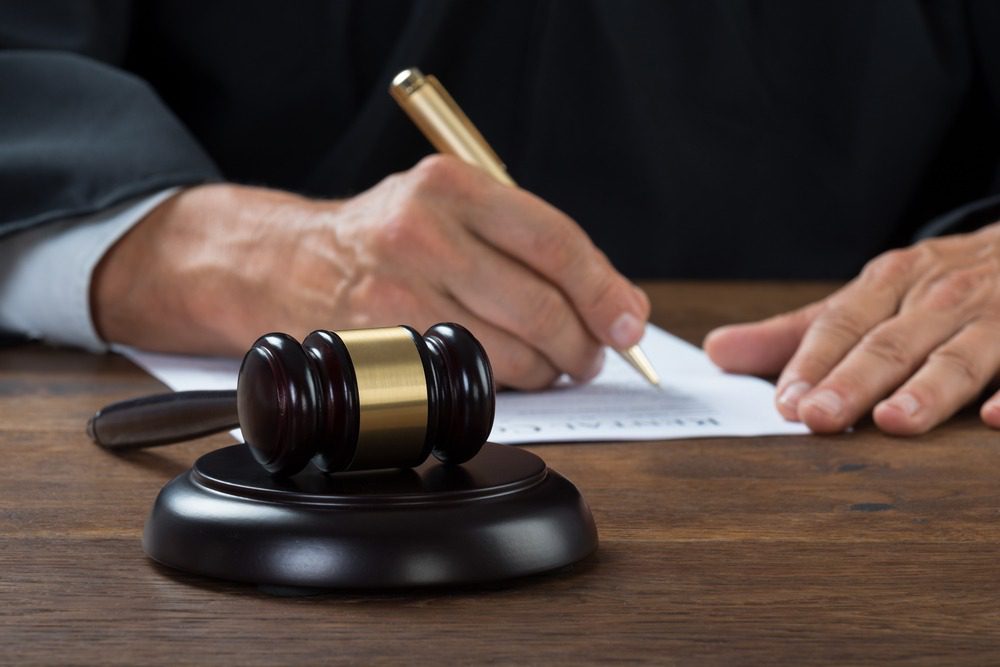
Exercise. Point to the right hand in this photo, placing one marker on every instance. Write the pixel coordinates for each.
(216, 266)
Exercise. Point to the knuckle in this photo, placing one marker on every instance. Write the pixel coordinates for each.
(893, 266)
(391, 183)
(401, 230)
(841, 325)
(437, 173)
(555, 246)
(959, 363)
(956, 288)
(523, 369)
(930, 251)
(411, 230)
(889, 346)
(519, 363)
(544, 317)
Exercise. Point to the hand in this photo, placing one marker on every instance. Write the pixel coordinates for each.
(920, 326)
(216, 266)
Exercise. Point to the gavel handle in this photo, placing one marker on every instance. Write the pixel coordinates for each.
(163, 419)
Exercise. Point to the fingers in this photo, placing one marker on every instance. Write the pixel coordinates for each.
(554, 246)
(517, 301)
(846, 318)
(881, 361)
(893, 350)
(423, 243)
(760, 348)
(954, 374)
(515, 364)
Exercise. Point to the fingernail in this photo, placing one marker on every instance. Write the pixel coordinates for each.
(626, 331)
(827, 401)
(791, 394)
(905, 403)
(595, 368)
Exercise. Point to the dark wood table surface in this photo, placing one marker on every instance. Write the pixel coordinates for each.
(858, 548)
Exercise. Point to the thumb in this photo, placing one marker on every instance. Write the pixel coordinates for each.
(760, 348)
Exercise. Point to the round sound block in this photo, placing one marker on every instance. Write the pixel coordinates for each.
(503, 514)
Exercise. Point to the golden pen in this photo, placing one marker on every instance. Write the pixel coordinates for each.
(446, 126)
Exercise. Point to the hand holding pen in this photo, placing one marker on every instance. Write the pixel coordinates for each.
(442, 241)
(450, 131)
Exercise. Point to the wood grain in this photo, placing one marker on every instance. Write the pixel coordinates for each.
(854, 549)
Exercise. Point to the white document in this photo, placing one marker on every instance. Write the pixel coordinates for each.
(696, 399)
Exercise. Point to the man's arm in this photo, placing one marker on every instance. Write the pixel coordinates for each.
(216, 266)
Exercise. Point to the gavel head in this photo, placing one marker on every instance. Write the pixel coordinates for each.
(365, 399)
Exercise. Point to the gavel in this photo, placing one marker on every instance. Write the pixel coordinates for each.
(345, 400)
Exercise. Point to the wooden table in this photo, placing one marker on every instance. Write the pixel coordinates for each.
(858, 548)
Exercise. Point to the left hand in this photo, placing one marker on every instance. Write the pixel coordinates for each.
(914, 338)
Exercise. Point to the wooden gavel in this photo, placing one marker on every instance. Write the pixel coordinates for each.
(348, 400)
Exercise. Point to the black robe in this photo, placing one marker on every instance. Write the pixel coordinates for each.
(696, 138)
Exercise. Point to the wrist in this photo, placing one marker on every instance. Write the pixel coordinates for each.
(185, 277)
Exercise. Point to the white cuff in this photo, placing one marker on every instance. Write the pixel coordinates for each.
(46, 271)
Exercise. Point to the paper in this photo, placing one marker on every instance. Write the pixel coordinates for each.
(696, 399)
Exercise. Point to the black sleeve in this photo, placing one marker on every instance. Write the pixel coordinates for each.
(983, 17)
(965, 218)
(77, 133)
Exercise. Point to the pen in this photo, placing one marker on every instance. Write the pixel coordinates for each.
(446, 126)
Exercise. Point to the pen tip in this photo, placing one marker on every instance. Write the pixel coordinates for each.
(640, 362)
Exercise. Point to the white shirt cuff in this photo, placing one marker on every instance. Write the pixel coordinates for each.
(46, 272)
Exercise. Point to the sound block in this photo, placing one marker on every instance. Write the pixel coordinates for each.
(503, 514)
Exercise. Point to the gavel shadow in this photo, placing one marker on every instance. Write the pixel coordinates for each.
(154, 462)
